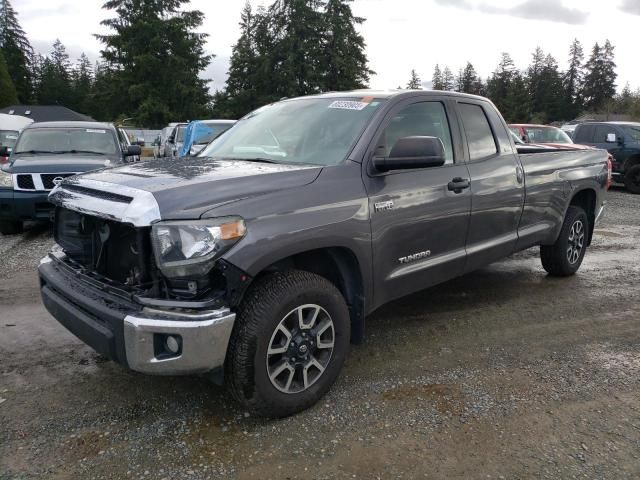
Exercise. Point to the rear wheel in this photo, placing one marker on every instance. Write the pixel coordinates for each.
(564, 257)
(632, 179)
(289, 343)
(10, 228)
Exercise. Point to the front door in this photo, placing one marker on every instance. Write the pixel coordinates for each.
(418, 224)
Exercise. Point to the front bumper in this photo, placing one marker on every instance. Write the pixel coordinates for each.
(127, 332)
(16, 205)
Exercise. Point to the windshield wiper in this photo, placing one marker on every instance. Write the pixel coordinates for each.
(251, 159)
(84, 151)
(37, 151)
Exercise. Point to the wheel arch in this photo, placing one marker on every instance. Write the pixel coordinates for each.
(341, 267)
(586, 199)
(631, 161)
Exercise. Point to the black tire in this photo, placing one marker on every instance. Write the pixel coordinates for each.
(11, 228)
(632, 179)
(561, 259)
(266, 305)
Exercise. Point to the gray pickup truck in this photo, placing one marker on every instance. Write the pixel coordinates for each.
(258, 260)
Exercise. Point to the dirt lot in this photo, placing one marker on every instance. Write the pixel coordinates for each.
(504, 373)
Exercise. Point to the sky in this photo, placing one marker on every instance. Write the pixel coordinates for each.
(401, 35)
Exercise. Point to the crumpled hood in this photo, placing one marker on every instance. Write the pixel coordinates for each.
(188, 187)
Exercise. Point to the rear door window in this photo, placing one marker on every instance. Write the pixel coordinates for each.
(603, 132)
(584, 134)
(480, 139)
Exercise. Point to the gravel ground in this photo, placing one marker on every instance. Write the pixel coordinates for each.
(503, 373)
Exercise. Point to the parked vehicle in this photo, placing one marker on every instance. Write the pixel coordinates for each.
(262, 256)
(10, 127)
(620, 139)
(165, 148)
(200, 133)
(43, 156)
(541, 134)
(175, 140)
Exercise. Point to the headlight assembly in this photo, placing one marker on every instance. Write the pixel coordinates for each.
(190, 248)
(5, 179)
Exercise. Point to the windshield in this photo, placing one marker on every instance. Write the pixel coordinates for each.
(317, 131)
(216, 130)
(633, 132)
(180, 133)
(8, 138)
(546, 135)
(67, 140)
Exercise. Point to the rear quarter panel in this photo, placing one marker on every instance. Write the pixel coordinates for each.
(552, 179)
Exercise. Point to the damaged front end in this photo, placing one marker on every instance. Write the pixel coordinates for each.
(152, 295)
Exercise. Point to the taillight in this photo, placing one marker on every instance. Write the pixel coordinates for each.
(609, 171)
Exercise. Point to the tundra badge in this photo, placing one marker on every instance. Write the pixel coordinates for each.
(415, 256)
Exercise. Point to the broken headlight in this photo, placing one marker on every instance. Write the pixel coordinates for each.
(190, 248)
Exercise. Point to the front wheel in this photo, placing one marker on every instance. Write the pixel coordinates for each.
(564, 257)
(632, 179)
(289, 343)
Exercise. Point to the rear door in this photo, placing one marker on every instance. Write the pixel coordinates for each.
(419, 225)
(497, 184)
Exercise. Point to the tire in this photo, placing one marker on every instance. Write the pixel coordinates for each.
(632, 179)
(564, 257)
(269, 309)
(11, 228)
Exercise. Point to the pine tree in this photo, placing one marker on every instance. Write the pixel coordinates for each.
(499, 83)
(8, 94)
(534, 80)
(345, 60)
(600, 79)
(468, 81)
(414, 83)
(448, 80)
(54, 86)
(516, 109)
(17, 51)
(573, 80)
(154, 58)
(81, 80)
(436, 79)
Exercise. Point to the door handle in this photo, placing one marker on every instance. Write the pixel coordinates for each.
(458, 184)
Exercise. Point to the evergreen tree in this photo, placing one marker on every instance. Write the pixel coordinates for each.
(54, 86)
(517, 100)
(436, 79)
(499, 83)
(534, 80)
(414, 83)
(81, 80)
(8, 94)
(573, 80)
(17, 51)
(600, 79)
(345, 60)
(468, 81)
(448, 80)
(297, 57)
(154, 56)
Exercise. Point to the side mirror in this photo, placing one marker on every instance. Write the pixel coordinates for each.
(5, 151)
(412, 152)
(620, 140)
(133, 150)
(171, 139)
(611, 138)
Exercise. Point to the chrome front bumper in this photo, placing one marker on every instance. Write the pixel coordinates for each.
(203, 338)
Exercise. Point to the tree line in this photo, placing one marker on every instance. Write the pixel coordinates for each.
(152, 60)
(542, 93)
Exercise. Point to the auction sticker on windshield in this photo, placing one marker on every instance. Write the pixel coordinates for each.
(91, 130)
(348, 105)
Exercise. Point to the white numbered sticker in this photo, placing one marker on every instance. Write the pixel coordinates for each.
(348, 105)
